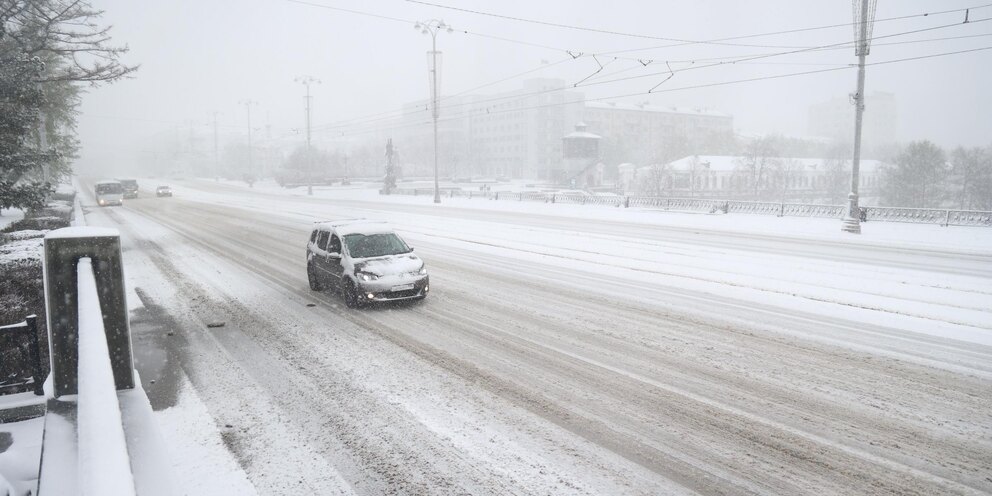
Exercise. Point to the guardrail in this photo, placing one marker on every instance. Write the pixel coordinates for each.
(25, 334)
(100, 436)
(944, 217)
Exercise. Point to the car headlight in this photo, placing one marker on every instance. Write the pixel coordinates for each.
(367, 276)
(423, 270)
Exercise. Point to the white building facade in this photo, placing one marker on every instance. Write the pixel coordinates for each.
(761, 178)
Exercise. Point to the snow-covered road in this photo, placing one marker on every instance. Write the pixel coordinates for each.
(564, 350)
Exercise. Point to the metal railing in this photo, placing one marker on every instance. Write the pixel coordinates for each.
(25, 334)
(944, 217)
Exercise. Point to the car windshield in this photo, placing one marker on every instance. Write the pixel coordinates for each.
(375, 245)
(108, 188)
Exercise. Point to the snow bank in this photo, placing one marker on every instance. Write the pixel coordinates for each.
(65, 189)
(10, 216)
(19, 461)
(78, 219)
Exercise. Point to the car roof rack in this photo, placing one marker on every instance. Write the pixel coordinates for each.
(344, 222)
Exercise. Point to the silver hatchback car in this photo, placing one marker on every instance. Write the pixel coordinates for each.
(365, 262)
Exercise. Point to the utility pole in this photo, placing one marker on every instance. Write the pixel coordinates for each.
(863, 22)
(433, 27)
(216, 153)
(248, 104)
(191, 136)
(307, 81)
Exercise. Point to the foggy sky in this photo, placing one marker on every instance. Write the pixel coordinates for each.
(199, 57)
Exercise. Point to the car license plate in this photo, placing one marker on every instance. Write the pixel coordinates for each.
(405, 287)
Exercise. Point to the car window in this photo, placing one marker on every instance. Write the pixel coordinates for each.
(322, 241)
(108, 188)
(313, 235)
(375, 245)
(335, 246)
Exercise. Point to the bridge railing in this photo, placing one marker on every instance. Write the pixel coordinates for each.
(100, 435)
(944, 217)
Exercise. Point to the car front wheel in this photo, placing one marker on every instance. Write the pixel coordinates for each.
(350, 294)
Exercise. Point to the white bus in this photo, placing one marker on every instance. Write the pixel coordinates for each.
(109, 193)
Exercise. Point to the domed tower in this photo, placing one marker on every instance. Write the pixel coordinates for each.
(580, 149)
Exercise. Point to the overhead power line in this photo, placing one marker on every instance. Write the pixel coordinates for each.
(351, 11)
(669, 72)
(667, 90)
(800, 30)
(846, 44)
(678, 41)
(600, 77)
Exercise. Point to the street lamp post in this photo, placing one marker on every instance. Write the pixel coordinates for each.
(307, 81)
(433, 27)
(865, 17)
(251, 170)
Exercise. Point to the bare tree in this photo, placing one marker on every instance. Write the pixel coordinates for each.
(971, 177)
(697, 174)
(69, 33)
(918, 177)
(656, 180)
(760, 157)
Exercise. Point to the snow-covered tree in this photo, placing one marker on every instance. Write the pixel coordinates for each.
(20, 101)
(971, 177)
(47, 48)
(757, 162)
(917, 178)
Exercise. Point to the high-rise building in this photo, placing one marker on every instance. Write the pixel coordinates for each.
(647, 134)
(834, 119)
(518, 134)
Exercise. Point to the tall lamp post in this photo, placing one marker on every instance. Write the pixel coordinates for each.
(307, 81)
(864, 18)
(433, 27)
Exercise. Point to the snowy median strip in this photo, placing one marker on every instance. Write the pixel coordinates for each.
(104, 467)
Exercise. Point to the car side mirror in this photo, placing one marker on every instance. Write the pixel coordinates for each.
(411, 249)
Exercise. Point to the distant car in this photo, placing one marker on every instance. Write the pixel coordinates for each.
(130, 188)
(109, 193)
(163, 191)
(365, 262)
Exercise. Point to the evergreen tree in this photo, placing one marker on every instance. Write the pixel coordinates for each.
(47, 48)
(20, 101)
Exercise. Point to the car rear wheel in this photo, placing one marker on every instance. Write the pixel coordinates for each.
(350, 295)
(312, 278)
